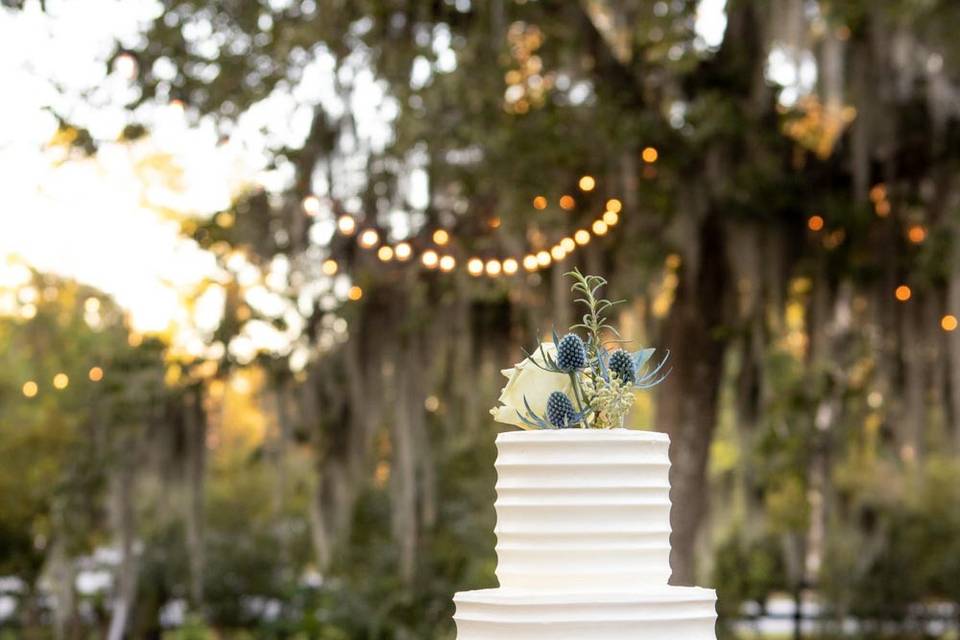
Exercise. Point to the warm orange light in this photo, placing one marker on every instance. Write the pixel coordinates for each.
(581, 237)
(30, 388)
(568, 244)
(95, 374)
(878, 192)
(385, 253)
(493, 268)
(369, 238)
(815, 223)
(611, 218)
(543, 258)
(567, 202)
(882, 208)
(650, 155)
(917, 233)
(441, 237)
(540, 203)
(510, 266)
(311, 205)
(948, 322)
(355, 293)
(475, 266)
(347, 225)
(330, 267)
(447, 263)
(599, 227)
(587, 183)
(61, 380)
(403, 251)
(530, 262)
(614, 205)
(903, 293)
(557, 253)
(495, 222)
(430, 259)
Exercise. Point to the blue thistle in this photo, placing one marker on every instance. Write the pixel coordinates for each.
(621, 363)
(560, 411)
(571, 353)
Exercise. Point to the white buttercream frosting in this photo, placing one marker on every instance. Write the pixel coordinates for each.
(583, 543)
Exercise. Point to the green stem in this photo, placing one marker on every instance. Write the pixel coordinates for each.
(578, 395)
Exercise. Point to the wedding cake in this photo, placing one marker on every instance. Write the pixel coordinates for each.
(583, 543)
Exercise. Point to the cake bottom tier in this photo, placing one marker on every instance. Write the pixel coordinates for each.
(674, 613)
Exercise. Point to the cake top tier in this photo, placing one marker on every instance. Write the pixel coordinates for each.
(574, 435)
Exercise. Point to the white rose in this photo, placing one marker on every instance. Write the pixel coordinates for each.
(527, 380)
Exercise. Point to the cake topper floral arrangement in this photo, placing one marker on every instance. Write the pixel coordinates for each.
(575, 383)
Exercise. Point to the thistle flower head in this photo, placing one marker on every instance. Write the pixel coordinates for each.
(621, 363)
(571, 353)
(560, 411)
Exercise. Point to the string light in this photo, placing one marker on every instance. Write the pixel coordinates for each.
(385, 253)
(441, 237)
(369, 238)
(948, 322)
(311, 205)
(493, 268)
(815, 223)
(903, 293)
(61, 380)
(567, 202)
(30, 388)
(510, 266)
(330, 267)
(355, 293)
(540, 203)
(543, 258)
(557, 253)
(882, 208)
(447, 263)
(650, 155)
(917, 233)
(347, 225)
(430, 259)
(495, 222)
(403, 251)
(614, 205)
(587, 183)
(581, 237)
(95, 374)
(611, 218)
(599, 227)
(475, 266)
(878, 192)
(530, 262)
(568, 245)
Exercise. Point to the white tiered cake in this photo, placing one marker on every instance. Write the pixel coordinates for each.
(583, 543)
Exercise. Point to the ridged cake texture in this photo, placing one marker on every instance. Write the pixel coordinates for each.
(583, 543)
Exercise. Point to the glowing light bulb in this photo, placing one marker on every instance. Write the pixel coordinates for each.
(815, 223)
(403, 251)
(355, 293)
(567, 202)
(581, 237)
(441, 237)
(30, 388)
(650, 155)
(475, 266)
(430, 259)
(447, 263)
(614, 205)
(587, 183)
(903, 293)
(95, 374)
(611, 218)
(540, 203)
(385, 253)
(530, 262)
(568, 245)
(510, 266)
(347, 225)
(493, 268)
(61, 380)
(599, 227)
(369, 238)
(311, 205)
(544, 259)
(330, 267)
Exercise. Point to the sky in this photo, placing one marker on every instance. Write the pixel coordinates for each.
(112, 220)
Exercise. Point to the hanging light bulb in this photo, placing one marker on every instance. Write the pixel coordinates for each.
(614, 205)
(369, 238)
(385, 253)
(430, 259)
(544, 259)
(530, 262)
(611, 218)
(510, 266)
(311, 205)
(581, 237)
(403, 251)
(568, 245)
(441, 237)
(447, 263)
(330, 267)
(347, 225)
(557, 253)
(493, 268)
(587, 183)
(475, 266)
(599, 227)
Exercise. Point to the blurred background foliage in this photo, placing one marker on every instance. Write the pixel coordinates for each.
(302, 449)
